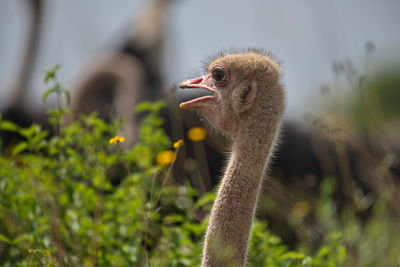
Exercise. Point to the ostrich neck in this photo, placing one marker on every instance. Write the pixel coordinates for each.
(20, 85)
(233, 211)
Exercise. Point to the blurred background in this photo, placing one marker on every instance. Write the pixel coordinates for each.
(307, 36)
(337, 169)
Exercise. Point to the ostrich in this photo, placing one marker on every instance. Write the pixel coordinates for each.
(246, 105)
(118, 80)
(16, 109)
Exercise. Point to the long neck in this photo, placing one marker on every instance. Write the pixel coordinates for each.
(19, 86)
(228, 231)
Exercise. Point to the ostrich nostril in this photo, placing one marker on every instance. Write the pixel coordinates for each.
(197, 80)
(191, 83)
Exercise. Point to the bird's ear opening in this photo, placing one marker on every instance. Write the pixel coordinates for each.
(244, 98)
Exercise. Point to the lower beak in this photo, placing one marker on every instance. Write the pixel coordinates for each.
(197, 102)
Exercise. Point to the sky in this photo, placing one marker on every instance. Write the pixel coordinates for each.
(307, 37)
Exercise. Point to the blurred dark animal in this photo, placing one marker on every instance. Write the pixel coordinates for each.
(118, 80)
(16, 110)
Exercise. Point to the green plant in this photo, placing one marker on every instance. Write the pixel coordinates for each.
(74, 199)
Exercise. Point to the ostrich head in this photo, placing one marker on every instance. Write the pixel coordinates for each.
(244, 86)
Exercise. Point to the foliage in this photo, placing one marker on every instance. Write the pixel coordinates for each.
(361, 120)
(74, 199)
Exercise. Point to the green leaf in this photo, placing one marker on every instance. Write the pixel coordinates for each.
(341, 254)
(158, 105)
(67, 96)
(54, 112)
(144, 106)
(4, 239)
(21, 147)
(206, 199)
(8, 126)
(176, 218)
(30, 131)
(51, 73)
(323, 252)
(52, 120)
(307, 261)
(292, 255)
(21, 238)
(46, 94)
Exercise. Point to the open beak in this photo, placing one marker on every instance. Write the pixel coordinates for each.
(196, 83)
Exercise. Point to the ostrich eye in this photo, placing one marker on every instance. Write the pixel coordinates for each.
(218, 74)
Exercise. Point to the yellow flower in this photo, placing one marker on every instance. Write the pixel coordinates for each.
(166, 157)
(117, 139)
(197, 134)
(301, 209)
(178, 143)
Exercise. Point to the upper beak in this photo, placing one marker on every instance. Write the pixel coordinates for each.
(196, 83)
